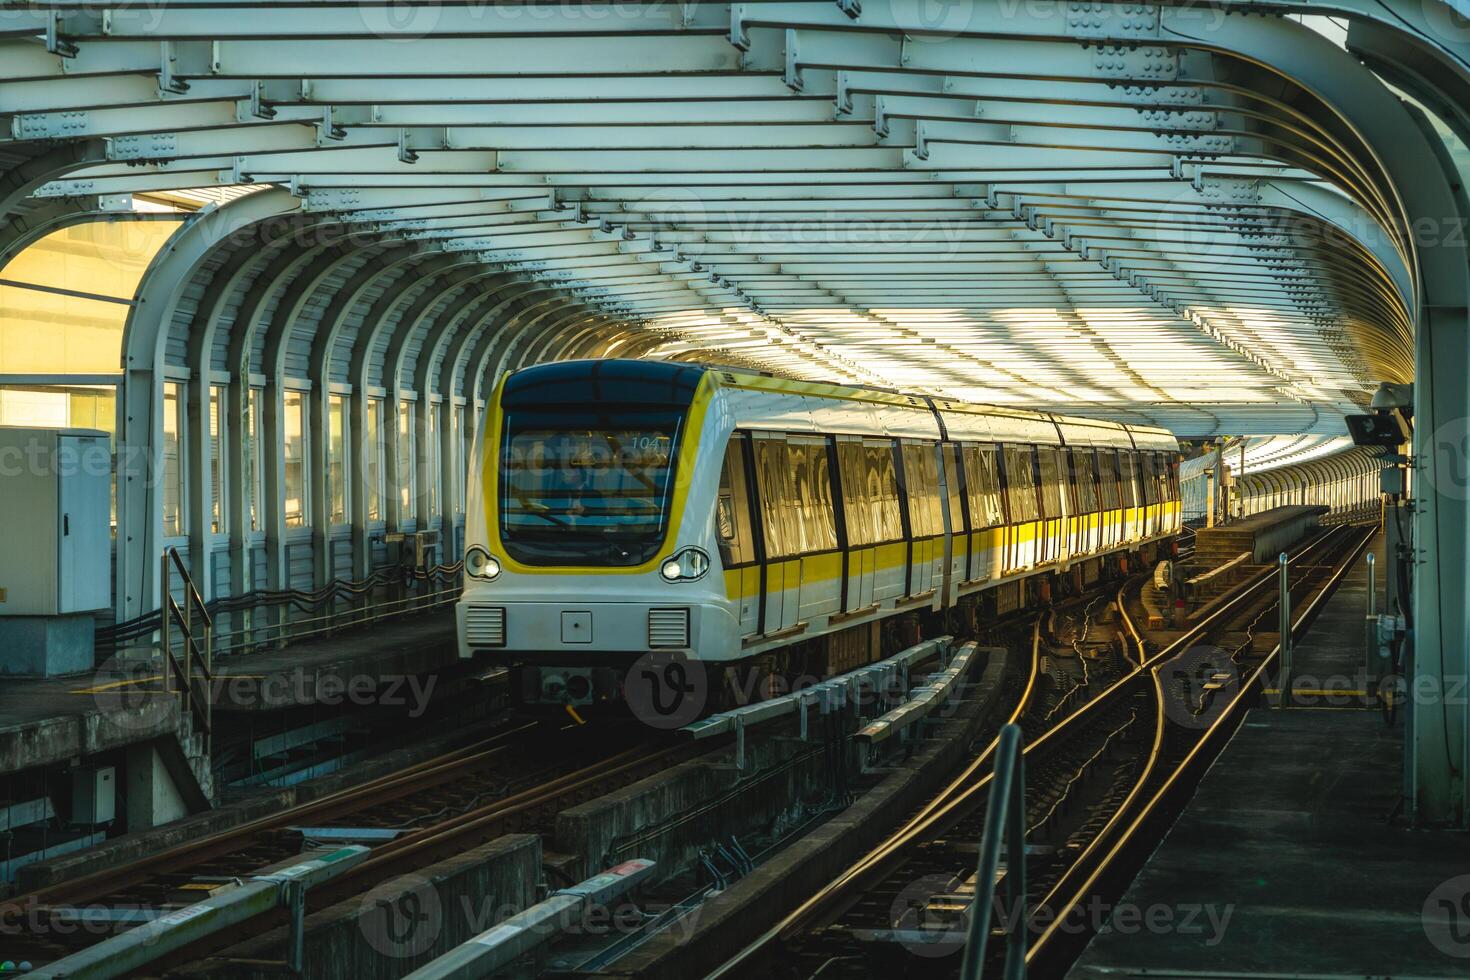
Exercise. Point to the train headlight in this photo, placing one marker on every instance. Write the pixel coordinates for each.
(479, 563)
(686, 566)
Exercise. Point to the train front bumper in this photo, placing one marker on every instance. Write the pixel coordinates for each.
(578, 653)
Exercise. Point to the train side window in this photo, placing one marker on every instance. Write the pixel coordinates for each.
(983, 479)
(1107, 468)
(812, 504)
(1168, 490)
(1051, 482)
(856, 507)
(774, 478)
(882, 492)
(732, 508)
(1171, 470)
(1021, 483)
(921, 477)
(1150, 479)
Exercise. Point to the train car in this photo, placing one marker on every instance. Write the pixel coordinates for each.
(619, 508)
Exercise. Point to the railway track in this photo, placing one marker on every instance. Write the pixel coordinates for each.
(1107, 765)
(515, 780)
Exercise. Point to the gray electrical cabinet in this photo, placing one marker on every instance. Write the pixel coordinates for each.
(55, 522)
(55, 525)
(93, 796)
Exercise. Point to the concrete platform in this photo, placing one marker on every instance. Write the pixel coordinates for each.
(358, 665)
(1285, 865)
(45, 721)
(1263, 535)
(1330, 665)
(1286, 862)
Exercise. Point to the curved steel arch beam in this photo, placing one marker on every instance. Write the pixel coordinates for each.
(407, 326)
(247, 258)
(557, 340)
(23, 229)
(140, 510)
(488, 328)
(326, 260)
(498, 355)
(1419, 186)
(19, 182)
(472, 323)
(319, 367)
(433, 339)
(359, 363)
(521, 329)
(590, 338)
(467, 321)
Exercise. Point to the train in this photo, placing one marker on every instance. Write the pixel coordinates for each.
(621, 509)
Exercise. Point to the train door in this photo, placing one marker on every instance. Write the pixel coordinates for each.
(1088, 508)
(1049, 538)
(736, 536)
(1023, 508)
(986, 512)
(1128, 493)
(926, 522)
(782, 598)
(1149, 473)
(859, 497)
(818, 567)
(889, 528)
(1074, 536)
(1108, 505)
(956, 543)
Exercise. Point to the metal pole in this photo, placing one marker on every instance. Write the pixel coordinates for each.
(1240, 476)
(1284, 607)
(163, 630)
(1370, 630)
(1016, 873)
(977, 930)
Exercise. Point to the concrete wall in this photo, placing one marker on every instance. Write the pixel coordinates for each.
(627, 823)
(402, 923)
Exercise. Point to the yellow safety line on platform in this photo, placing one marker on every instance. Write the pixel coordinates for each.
(98, 689)
(110, 685)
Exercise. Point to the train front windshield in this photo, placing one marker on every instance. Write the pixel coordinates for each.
(585, 488)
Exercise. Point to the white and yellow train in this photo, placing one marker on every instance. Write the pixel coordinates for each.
(619, 507)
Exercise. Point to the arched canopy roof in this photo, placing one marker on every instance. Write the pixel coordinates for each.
(1108, 210)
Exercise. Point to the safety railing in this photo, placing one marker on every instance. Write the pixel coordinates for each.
(1005, 817)
(262, 632)
(272, 618)
(195, 663)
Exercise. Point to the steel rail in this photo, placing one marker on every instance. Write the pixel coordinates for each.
(427, 773)
(946, 809)
(1195, 756)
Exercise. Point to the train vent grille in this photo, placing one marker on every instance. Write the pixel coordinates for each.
(668, 628)
(484, 626)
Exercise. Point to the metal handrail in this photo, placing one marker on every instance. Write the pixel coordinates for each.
(256, 634)
(195, 655)
(1005, 815)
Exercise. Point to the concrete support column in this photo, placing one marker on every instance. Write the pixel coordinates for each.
(152, 796)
